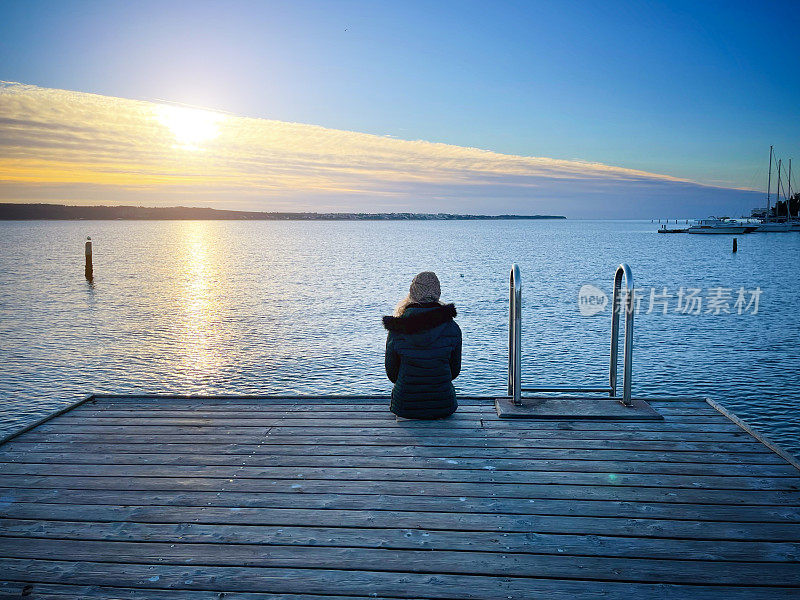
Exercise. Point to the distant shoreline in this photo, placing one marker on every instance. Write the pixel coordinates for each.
(62, 212)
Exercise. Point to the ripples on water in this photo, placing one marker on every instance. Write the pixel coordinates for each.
(294, 307)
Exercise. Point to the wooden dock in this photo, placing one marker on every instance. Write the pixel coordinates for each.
(331, 498)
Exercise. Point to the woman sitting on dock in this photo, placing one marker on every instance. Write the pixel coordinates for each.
(423, 352)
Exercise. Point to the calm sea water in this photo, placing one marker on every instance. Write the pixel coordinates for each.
(295, 307)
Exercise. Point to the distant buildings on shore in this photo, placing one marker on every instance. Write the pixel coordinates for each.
(11, 211)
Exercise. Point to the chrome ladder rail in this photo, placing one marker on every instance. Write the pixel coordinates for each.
(515, 336)
(627, 353)
(515, 388)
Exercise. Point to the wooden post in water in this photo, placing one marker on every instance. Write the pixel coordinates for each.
(88, 270)
(734, 245)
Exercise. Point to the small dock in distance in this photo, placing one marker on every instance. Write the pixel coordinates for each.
(285, 498)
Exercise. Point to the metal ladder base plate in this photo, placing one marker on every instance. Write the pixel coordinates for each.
(576, 409)
(566, 388)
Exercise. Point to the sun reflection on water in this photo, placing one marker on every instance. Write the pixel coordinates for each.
(199, 302)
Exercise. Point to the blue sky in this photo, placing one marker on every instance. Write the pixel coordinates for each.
(690, 90)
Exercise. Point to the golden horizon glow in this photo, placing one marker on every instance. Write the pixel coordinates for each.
(74, 147)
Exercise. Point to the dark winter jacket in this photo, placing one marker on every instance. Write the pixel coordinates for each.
(423, 356)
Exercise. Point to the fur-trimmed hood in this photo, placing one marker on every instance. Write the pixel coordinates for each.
(420, 317)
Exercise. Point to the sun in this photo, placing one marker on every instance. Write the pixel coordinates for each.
(191, 127)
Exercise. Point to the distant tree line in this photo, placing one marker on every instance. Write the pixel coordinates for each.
(14, 211)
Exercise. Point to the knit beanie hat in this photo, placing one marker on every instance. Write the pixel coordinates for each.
(425, 288)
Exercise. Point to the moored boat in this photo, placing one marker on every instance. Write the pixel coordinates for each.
(721, 225)
(775, 227)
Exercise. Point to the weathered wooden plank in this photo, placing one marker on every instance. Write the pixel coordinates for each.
(246, 424)
(407, 539)
(391, 428)
(485, 474)
(737, 446)
(122, 433)
(48, 591)
(231, 452)
(427, 488)
(729, 469)
(356, 582)
(377, 559)
(134, 424)
(611, 510)
(264, 401)
(341, 415)
(370, 411)
(307, 400)
(488, 522)
(331, 412)
(349, 410)
(353, 410)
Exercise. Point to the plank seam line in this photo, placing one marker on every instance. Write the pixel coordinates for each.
(451, 468)
(70, 449)
(696, 427)
(480, 432)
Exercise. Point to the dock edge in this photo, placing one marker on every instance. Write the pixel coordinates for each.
(787, 456)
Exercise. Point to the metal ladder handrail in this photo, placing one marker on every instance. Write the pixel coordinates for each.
(627, 353)
(515, 336)
(515, 388)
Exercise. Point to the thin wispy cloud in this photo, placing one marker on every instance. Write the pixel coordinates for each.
(58, 145)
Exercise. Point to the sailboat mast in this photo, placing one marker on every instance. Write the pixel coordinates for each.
(778, 189)
(789, 194)
(769, 183)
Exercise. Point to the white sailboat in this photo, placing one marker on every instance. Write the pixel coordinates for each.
(767, 224)
(720, 225)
